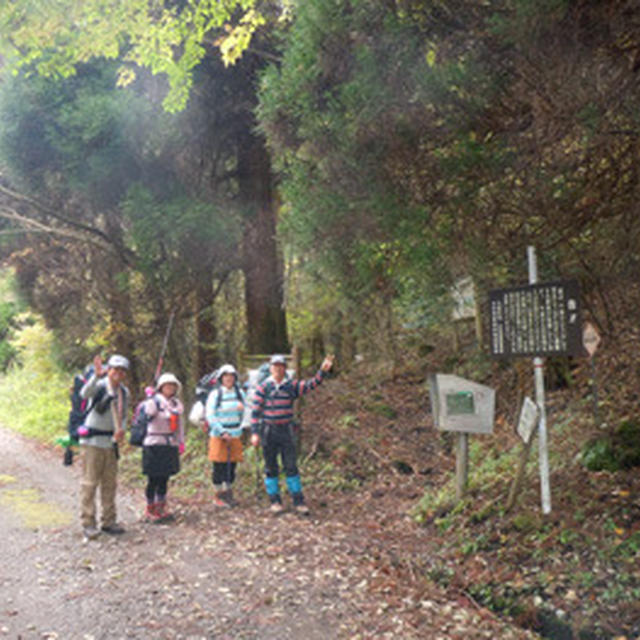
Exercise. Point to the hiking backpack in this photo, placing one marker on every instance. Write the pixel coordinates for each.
(206, 385)
(80, 406)
(264, 371)
(139, 424)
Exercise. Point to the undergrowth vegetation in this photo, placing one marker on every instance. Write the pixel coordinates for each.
(34, 391)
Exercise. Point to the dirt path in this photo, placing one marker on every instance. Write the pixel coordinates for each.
(239, 574)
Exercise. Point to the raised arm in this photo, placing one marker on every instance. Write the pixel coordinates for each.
(303, 387)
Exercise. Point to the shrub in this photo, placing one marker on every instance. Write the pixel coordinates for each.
(612, 452)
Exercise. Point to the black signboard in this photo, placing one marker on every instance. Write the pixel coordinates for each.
(536, 320)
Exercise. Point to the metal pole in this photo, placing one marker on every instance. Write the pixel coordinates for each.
(594, 391)
(538, 373)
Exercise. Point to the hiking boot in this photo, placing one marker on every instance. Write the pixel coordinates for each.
(90, 533)
(299, 505)
(163, 514)
(276, 508)
(229, 499)
(113, 529)
(220, 502)
(150, 513)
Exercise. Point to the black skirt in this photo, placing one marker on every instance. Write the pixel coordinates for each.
(160, 460)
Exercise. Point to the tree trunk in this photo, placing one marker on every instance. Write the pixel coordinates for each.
(123, 325)
(207, 356)
(262, 262)
(115, 276)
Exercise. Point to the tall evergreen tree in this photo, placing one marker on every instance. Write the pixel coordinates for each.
(175, 40)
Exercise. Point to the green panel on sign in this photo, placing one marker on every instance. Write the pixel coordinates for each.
(460, 403)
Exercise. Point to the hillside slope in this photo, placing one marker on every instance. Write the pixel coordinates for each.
(373, 457)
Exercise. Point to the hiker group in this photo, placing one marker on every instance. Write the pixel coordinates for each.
(98, 422)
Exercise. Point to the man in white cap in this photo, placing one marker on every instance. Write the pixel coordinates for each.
(272, 425)
(104, 428)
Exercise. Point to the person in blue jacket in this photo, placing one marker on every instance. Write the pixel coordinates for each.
(223, 414)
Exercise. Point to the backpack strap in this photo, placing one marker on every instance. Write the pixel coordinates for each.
(141, 419)
(97, 432)
(101, 401)
(165, 434)
(218, 390)
(269, 390)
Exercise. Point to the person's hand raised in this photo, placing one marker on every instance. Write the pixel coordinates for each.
(97, 365)
(327, 363)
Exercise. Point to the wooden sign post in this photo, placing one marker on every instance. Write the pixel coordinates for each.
(465, 407)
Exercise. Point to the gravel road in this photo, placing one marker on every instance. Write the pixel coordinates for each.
(239, 574)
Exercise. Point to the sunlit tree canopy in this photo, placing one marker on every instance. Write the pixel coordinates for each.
(168, 38)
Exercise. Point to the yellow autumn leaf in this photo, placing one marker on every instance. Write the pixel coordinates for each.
(126, 75)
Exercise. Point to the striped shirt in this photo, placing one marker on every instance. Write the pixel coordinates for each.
(273, 403)
(227, 417)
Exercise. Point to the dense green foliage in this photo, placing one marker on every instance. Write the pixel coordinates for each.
(615, 450)
(414, 143)
(78, 134)
(34, 392)
(168, 38)
(99, 158)
(171, 207)
(10, 309)
(334, 115)
(421, 142)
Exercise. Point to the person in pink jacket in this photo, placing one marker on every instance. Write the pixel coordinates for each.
(162, 445)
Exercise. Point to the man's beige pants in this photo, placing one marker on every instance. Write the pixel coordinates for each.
(100, 468)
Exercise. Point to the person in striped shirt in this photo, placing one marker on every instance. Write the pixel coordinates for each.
(272, 426)
(223, 412)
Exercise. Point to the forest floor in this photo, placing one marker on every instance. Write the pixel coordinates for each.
(384, 554)
(571, 574)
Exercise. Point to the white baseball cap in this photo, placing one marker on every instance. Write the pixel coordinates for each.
(118, 362)
(278, 359)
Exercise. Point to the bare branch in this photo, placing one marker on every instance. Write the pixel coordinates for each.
(79, 230)
(31, 225)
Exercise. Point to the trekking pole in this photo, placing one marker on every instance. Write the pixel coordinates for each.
(165, 343)
(232, 502)
(229, 464)
(256, 451)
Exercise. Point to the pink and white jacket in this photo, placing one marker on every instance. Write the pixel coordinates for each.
(166, 423)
